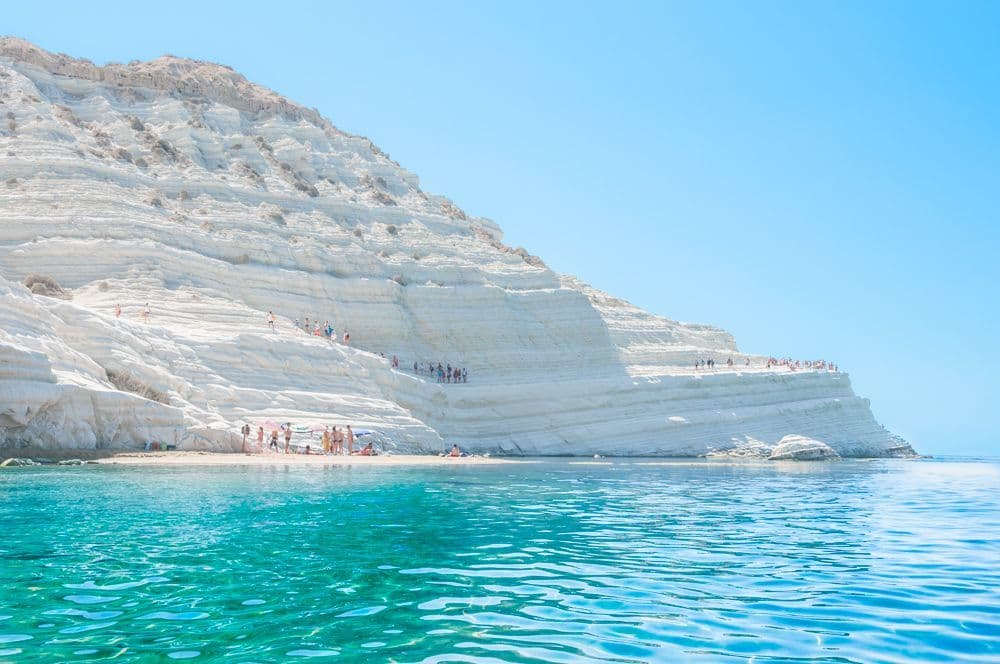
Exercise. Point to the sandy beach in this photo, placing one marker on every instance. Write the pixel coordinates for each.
(233, 459)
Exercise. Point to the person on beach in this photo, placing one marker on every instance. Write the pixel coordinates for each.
(316, 331)
(368, 450)
(326, 441)
(455, 452)
(274, 440)
(308, 449)
(145, 313)
(270, 320)
(347, 338)
(465, 375)
(118, 311)
(416, 368)
(288, 436)
(245, 430)
(260, 439)
(337, 441)
(350, 440)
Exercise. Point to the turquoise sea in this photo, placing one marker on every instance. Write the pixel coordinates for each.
(626, 561)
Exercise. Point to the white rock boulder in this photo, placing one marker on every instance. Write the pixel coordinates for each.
(801, 448)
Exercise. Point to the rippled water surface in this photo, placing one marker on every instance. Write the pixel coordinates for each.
(553, 561)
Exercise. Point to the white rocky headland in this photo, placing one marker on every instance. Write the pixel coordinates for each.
(182, 185)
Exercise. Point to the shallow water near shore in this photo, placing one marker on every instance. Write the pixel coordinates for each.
(623, 561)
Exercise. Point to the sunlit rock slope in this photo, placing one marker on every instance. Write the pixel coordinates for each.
(183, 185)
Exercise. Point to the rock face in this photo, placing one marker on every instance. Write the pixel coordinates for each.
(182, 185)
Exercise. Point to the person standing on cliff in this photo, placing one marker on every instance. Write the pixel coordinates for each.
(118, 311)
(350, 441)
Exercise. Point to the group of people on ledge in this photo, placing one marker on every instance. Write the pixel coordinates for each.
(798, 365)
(443, 374)
(314, 328)
(792, 365)
(710, 363)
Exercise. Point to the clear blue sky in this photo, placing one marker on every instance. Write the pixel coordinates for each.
(821, 179)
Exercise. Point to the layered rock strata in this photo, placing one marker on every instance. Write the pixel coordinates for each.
(183, 185)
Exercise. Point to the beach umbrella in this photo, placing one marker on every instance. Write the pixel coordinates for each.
(362, 432)
(269, 424)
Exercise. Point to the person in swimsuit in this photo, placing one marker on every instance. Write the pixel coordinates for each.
(274, 440)
(260, 439)
(288, 436)
(350, 440)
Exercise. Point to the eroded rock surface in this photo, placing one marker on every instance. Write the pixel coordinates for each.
(183, 185)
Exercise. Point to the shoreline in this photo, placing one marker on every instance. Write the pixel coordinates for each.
(188, 458)
(223, 459)
(203, 458)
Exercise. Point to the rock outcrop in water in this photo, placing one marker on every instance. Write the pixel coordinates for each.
(183, 185)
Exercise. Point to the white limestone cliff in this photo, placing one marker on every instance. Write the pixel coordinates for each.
(182, 184)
